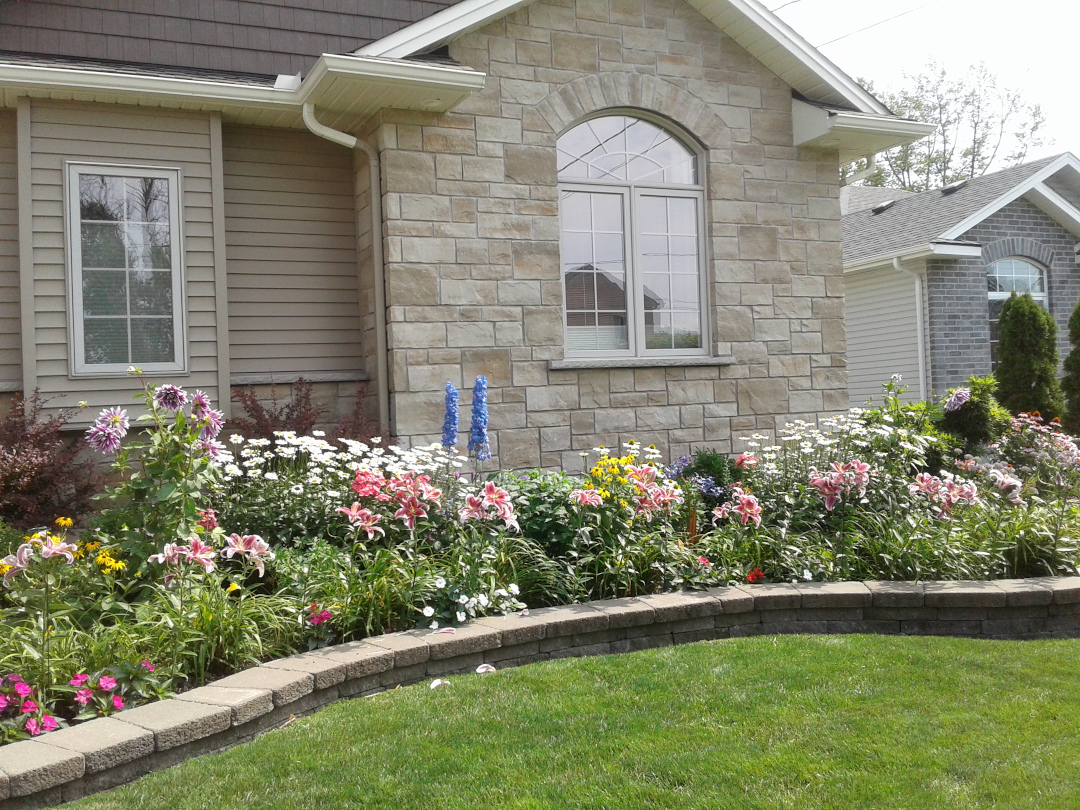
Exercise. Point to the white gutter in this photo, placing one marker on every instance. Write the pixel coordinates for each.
(382, 375)
(938, 249)
(919, 323)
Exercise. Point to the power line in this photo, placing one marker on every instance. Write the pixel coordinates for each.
(875, 25)
(785, 5)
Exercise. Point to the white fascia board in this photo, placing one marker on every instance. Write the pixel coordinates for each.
(438, 29)
(908, 254)
(140, 86)
(389, 71)
(1056, 207)
(853, 134)
(1019, 190)
(786, 36)
(136, 87)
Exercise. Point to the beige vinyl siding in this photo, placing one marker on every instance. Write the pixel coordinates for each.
(10, 353)
(882, 333)
(129, 136)
(290, 236)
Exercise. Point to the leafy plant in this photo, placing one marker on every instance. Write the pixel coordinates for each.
(42, 474)
(1070, 381)
(973, 415)
(297, 414)
(1028, 358)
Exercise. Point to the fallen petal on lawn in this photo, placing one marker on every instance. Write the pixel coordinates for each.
(485, 668)
(439, 682)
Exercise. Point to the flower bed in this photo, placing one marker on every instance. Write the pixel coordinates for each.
(208, 560)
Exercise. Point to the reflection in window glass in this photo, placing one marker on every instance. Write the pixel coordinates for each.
(127, 280)
(643, 237)
(1003, 278)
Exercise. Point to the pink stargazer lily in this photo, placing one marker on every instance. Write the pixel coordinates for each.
(410, 510)
(250, 546)
(17, 562)
(171, 554)
(51, 547)
(644, 476)
(201, 553)
(586, 497)
(361, 518)
(473, 509)
(496, 496)
(747, 507)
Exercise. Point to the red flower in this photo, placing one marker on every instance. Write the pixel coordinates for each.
(755, 575)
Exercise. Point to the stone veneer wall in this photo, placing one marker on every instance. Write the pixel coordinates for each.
(474, 279)
(956, 290)
(71, 763)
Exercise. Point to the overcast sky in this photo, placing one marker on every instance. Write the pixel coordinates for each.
(1031, 45)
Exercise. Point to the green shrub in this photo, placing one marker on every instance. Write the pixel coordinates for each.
(1028, 359)
(712, 464)
(979, 419)
(1070, 383)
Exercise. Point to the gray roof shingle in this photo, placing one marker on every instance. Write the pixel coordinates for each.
(920, 218)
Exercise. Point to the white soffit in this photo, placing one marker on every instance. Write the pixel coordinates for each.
(348, 88)
(764, 35)
(854, 135)
(938, 248)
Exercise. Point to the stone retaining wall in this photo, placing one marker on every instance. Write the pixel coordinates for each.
(109, 751)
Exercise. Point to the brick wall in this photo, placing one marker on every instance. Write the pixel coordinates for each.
(957, 299)
(474, 283)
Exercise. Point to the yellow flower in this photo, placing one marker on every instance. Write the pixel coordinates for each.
(64, 522)
(232, 587)
(4, 569)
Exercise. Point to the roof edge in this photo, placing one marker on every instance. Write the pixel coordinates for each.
(469, 15)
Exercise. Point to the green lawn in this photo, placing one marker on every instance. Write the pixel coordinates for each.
(792, 721)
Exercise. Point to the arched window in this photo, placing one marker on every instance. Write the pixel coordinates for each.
(630, 204)
(1003, 278)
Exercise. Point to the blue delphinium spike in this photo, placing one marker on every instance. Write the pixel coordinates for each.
(478, 437)
(450, 422)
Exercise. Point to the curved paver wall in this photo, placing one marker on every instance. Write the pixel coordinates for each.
(102, 753)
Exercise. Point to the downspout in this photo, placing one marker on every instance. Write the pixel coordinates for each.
(919, 322)
(382, 373)
(871, 166)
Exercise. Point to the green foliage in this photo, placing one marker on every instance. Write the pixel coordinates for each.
(166, 474)
(43, 475)
(1070, 382)
(979, 420)
(712, 464)
(1028, 359)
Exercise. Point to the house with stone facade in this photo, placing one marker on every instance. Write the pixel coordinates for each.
(623, 212)
(926, 274)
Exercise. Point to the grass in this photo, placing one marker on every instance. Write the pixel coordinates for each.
(791, 721)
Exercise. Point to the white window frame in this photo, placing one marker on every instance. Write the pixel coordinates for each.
(73, 222)
(631, 193)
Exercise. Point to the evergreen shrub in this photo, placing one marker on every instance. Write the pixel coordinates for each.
(1028, 359)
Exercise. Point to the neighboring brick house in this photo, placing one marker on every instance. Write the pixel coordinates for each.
(194, 189)
(945, 260)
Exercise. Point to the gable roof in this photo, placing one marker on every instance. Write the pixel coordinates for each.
(760, 32)
(937, 216)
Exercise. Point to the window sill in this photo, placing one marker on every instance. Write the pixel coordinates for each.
(637, 362)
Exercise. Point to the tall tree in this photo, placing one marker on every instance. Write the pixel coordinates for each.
(980, 126)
